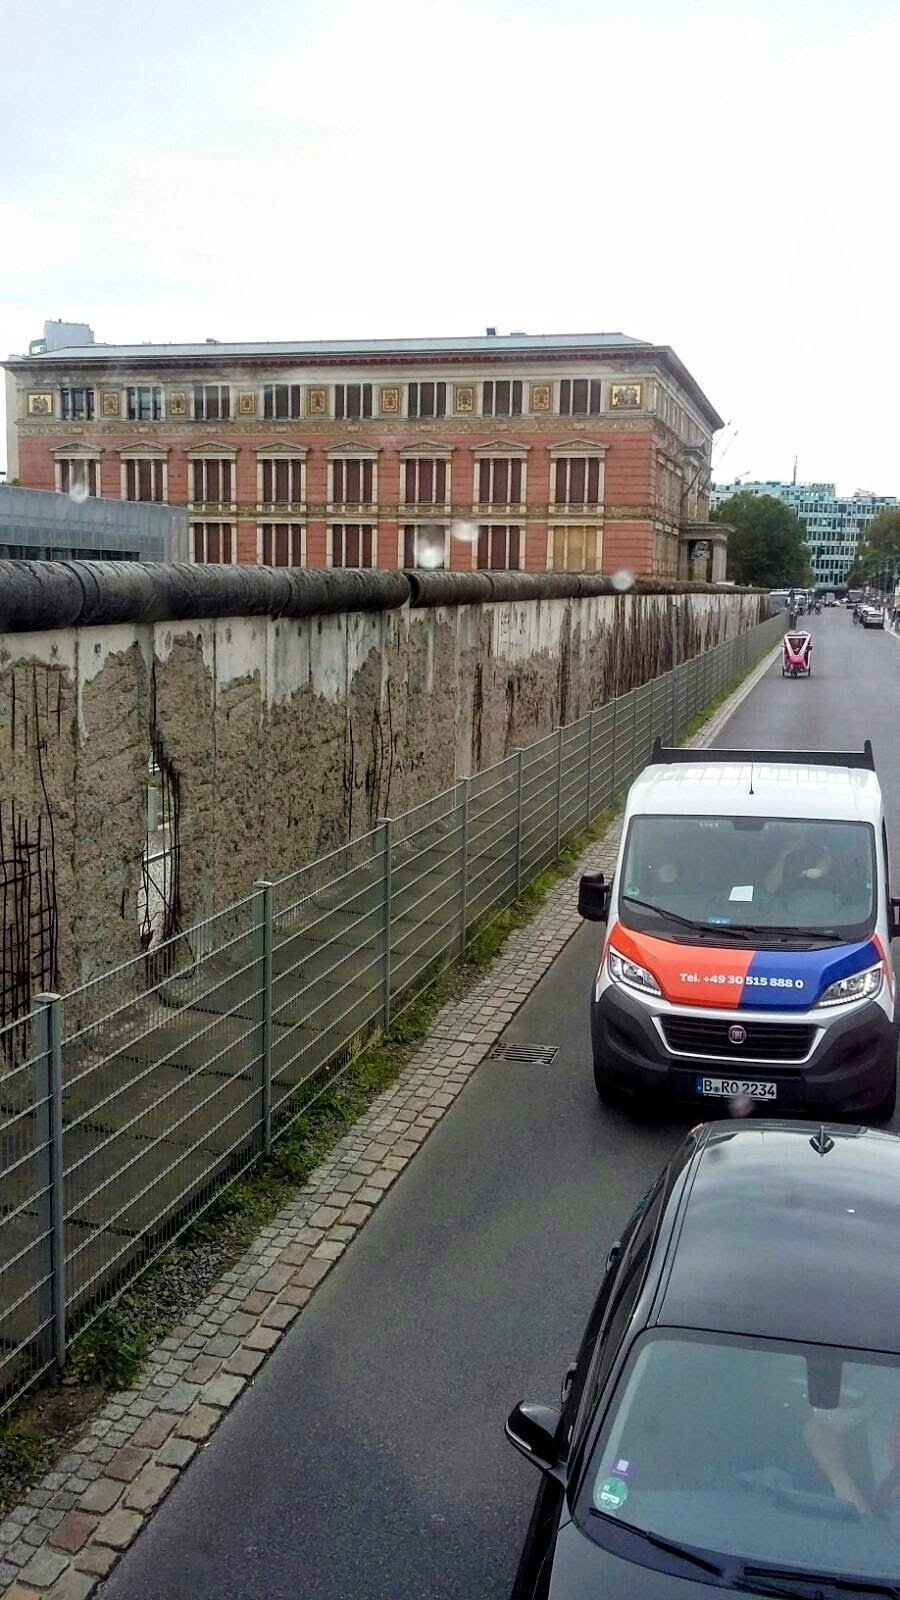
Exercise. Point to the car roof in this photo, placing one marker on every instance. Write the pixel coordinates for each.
(760, 789)
(790, 1230)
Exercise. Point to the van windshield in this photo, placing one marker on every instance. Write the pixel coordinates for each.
(769, 873)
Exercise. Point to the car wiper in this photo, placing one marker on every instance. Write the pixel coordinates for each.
(673, 916)
(670, 1546)
(828, 935)
(809, 1585)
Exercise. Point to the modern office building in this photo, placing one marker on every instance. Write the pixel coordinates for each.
(834, 523)
(40, 526)
(576, 451)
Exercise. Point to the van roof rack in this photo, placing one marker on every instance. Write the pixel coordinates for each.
(670, 755)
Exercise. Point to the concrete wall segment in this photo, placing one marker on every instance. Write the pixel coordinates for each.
(282, 737)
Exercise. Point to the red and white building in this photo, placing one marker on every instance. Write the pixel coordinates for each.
(568, 452)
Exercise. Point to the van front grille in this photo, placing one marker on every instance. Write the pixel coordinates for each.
(765, 1041)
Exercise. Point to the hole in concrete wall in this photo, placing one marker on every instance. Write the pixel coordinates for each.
(159, 903)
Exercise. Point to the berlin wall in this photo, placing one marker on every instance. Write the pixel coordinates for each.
(270, 715)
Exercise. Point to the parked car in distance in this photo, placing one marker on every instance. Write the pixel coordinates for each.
(730, 1421)
(872, 616)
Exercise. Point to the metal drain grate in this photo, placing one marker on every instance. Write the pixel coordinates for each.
(539, 1055)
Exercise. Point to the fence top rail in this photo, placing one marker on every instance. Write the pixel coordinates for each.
(158, 951)
(370, 836)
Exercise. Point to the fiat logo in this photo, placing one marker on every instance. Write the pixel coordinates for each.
(736, 1034)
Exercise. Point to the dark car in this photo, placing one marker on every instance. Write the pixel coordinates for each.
(732, 1420)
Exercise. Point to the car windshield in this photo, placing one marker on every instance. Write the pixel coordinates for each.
(763, 872)
(754, 1450)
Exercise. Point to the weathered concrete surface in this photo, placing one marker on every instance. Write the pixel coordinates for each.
(279, 739)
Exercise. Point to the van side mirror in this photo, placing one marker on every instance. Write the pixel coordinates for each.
(593, 897)
(895, 917)
(534, 1429)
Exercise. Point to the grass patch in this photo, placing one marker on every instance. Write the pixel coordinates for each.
(109, 1353)
(25, 1455)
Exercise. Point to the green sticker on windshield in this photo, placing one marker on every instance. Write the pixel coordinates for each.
(610, 1494)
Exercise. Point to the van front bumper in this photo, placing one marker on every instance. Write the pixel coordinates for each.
(850, 1068)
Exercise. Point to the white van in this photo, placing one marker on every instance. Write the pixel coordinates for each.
(747, 954)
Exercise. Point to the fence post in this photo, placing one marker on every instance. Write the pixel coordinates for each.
(615, 741)
(386, 826)
(559, 767)
(520, 776)
(673, 612)
(463, 787)
(588, 813)
(634, 715)
(263, 939)
(49, 1133)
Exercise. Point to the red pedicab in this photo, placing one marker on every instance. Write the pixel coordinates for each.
(796, 658)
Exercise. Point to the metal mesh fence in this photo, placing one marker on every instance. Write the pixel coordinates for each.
(126, 1104)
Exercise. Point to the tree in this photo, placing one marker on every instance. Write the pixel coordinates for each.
(880, 539)
(768, 545)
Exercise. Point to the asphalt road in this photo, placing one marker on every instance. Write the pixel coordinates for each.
(368, 1460)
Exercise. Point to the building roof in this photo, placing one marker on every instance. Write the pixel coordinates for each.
(782, 1241)
(782, 789)
(215, 349)
(328, 352)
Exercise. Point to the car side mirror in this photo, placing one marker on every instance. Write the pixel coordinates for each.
(534, 1429)
(594, 895)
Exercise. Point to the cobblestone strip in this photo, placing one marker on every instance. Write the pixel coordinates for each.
(69, 1531)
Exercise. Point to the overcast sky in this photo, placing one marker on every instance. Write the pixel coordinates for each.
(721, 177)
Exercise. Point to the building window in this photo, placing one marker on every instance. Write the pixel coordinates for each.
(79, 477)
(213, 541)
(352, 544)
(77, 405)
(213, 481)
(353, 400)
(145, 479)
(280, 544)
(501, 399)
(499, 481)
(281, 482)
(144, 403)
(424, 546)
(574, 550)
(577, 481)
(579, 397)
(427, 400)
(352, 483)
(426, 482)
(282, 400)
(499, 548)
(212, 402)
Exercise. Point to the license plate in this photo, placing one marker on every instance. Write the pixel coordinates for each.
(737, 1088)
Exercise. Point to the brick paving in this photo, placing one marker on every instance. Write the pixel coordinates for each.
(70, 1529)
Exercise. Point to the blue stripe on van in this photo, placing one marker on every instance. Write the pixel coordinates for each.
(795, 979)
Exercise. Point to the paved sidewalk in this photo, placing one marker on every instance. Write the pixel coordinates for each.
(70, 1530)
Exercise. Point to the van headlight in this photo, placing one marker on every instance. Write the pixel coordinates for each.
(629, 974)
(862, 986)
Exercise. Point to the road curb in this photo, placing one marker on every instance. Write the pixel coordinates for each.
(70, 1530)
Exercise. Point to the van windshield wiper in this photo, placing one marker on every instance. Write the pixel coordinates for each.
(684, 922)
(670, 1546)
(796, 1585)
(820, 935)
